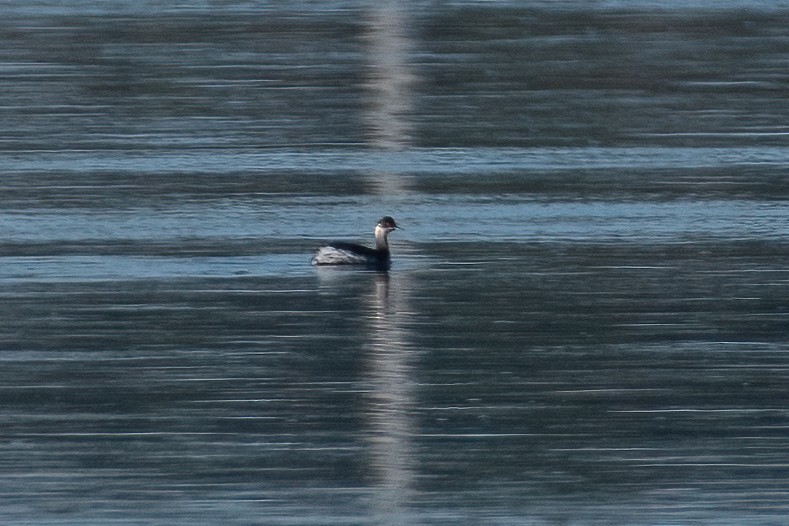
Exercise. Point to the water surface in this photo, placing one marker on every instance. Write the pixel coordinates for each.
(585, 323)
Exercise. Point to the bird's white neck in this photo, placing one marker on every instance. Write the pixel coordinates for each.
(380, 237)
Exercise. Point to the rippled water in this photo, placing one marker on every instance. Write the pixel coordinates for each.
(586, 321)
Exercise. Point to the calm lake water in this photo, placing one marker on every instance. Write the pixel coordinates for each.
(587, 318)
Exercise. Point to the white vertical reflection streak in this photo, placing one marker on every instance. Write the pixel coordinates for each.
(391, 401)
(390, 79)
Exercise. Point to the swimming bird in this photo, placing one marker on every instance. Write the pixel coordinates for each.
(344, 253)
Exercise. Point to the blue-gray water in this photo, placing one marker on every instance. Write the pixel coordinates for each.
(586, 322)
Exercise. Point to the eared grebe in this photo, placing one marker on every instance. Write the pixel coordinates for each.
(342, 253)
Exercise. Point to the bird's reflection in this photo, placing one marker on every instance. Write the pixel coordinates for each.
(389, 374)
